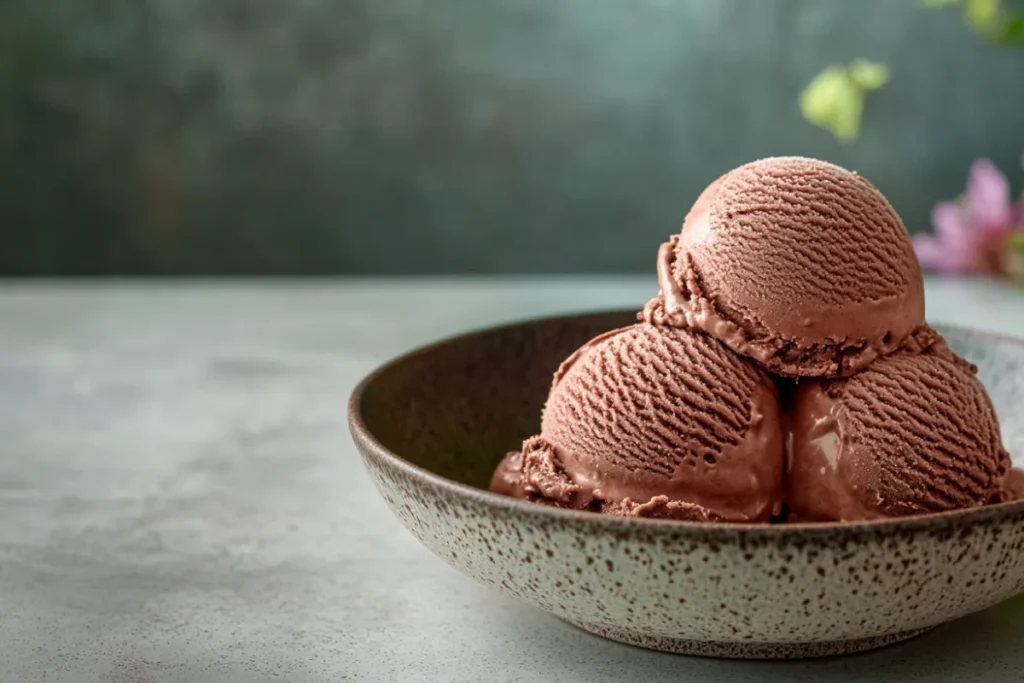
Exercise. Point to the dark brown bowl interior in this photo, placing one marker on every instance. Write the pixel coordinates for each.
(456, 407)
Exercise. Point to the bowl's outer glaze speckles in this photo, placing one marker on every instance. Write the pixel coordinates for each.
(432, 425)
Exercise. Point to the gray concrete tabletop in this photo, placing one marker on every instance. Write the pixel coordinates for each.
(180, 501)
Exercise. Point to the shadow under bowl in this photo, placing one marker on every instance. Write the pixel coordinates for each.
(432, 425)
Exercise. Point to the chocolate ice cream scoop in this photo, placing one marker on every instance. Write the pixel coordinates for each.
(797, 263)
(1013, 486)
(655, 422)
(914, 433)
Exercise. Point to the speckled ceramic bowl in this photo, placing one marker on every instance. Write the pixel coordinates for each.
(432, 425)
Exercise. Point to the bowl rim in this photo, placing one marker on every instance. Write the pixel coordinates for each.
(362, 434)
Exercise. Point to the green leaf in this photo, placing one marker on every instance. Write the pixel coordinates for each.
(834, 99)
(990, 19)
(1015, 267)
(833, 102)
(1009, 31)
(994, 22)
(982, 15)
(869, 75)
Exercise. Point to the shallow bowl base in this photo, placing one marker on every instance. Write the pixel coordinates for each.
(741, 650)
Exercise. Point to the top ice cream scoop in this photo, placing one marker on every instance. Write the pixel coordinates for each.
(798, 263)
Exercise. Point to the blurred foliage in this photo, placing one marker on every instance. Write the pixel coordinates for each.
(834, 100)
(1016, 272)
(993, 20)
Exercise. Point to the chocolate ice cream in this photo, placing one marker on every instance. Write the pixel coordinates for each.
(1013, 486)
(655, 422)
(914, 433)
(789, 267)
(797, 263)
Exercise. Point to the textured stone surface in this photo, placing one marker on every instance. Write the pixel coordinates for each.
(500, 136)
(181, 501)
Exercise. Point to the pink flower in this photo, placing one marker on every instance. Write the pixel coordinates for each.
(973, 235)
(949, 250)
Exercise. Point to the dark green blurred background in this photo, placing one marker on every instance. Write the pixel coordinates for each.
(429, 136)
